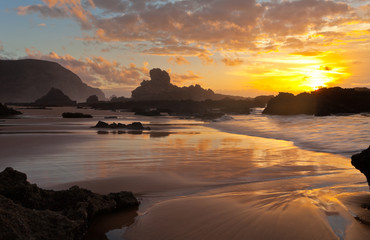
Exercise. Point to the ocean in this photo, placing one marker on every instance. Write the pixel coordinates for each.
(344, 135)
(242, 177)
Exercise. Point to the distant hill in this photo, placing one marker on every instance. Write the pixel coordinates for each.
(55, 97)
(159, 87)
(322, 102)
(29, 79)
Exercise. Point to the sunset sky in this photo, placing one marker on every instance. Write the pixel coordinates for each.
(238, 47)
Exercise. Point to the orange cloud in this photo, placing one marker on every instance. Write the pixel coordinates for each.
(201, 28)
(178, 60)
(179, 79)
(232, 62)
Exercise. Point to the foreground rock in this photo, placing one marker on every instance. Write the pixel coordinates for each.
(76, 115)
(6, 111)
(29, 212)
(132, 126)
(361, 161)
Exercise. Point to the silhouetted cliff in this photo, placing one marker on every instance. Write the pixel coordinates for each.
(159, 87)
(321, 102)
(29, 79)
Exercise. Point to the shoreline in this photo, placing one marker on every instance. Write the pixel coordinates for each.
(230, 182)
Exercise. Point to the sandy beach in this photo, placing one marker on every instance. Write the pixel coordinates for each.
(194, 182)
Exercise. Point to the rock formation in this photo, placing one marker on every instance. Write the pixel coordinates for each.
(29, 212)
(27, 80)
(159, 87)
(55, 97)
(132, 126)
(322, 102)
(6, 111)
(361, 161)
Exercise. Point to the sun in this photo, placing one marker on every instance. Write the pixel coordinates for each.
(316, 77)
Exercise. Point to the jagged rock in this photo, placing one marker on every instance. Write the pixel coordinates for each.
(159, 76)
(132, 126)
(18, 222)
(55, 97)
(159, 87)
(361, 161)
(76, 115)
(40, 213)
(102, 124)
(6, 111)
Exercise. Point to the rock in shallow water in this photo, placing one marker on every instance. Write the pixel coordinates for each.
(29, 212)
(361, 161)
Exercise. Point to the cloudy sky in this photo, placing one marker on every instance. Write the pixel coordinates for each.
(239, 47)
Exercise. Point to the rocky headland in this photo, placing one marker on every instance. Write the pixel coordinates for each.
(29, 212)
(322, 102)
(24, 81)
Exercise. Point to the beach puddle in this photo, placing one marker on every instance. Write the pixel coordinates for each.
(111, 226)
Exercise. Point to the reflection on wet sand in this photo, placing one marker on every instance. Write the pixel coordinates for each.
(195, 182)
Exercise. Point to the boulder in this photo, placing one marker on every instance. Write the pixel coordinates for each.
(361, 161)
(76, 115)
(30, 212)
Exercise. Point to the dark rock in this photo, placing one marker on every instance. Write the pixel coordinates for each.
(148, 113)
(102, 132)
(102, 124)
(121, 125)
(18, 222)
(24, 81)
(322, 102)
(137, 126)
(132, 126)
(55, 97)
(6, 111)
(92, 99)
(76, 115)
(159, 87)
(361, 161)
(29, 212)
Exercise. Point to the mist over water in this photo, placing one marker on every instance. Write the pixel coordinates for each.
(343, 135)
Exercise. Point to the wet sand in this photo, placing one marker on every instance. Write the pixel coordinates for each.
(194, 182)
